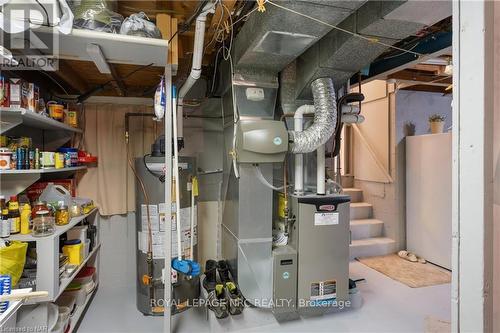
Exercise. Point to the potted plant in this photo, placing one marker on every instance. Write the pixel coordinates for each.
(436, 122)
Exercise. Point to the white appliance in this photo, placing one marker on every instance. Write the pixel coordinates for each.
(428, 197)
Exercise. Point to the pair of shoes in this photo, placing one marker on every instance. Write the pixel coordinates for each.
(224, 296)
(232, 292)
(411, 257)
(215, 301)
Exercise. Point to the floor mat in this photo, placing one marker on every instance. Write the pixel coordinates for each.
(412, 274)
(436, 325)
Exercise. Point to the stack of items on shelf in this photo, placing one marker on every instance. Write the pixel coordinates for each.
(100, 15)
(54, 206)
(16, 93)
(75, 296)
(19, 154)
(28, 277)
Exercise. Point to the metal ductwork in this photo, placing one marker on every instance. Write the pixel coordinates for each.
(271, 40)
(339, 55)
(325, 118)
(275, 38)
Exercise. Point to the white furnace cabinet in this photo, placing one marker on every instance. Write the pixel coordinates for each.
(428, 197)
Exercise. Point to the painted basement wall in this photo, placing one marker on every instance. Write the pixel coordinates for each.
(386, 111)
(496, 175)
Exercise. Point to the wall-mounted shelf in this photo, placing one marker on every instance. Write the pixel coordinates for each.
(47, 248)
(59, 230)
(119, 49)
(66, 281)
(13, 117)
(16, 181)
(38, 171)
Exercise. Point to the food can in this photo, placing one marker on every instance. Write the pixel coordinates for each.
(5, 156)
(72, 118)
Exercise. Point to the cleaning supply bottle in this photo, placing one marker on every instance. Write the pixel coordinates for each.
(26, 219)
(14, 216)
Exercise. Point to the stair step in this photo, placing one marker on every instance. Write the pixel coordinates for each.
(355, 193)
(366, 228)
(347, 181)
(371, 247)
(361, 210)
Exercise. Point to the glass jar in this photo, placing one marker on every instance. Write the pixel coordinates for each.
(43, 224)
(75, 210)
(38, 206)
(62, 215)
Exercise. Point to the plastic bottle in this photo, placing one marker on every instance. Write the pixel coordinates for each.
(26, 219)
(14, 215)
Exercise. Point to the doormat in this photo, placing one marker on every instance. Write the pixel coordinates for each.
(413, 274)
(436, 325)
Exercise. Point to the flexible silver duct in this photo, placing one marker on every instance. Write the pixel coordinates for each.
(325, 118)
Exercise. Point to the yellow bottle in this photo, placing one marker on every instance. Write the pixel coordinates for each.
(25, 219)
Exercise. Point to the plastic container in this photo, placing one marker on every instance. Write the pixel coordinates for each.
(74, 250)
(55, 194)
(70, 156)
(43, 224)
(85, 275)
(87, 248)
(56, 111)
(5, 289)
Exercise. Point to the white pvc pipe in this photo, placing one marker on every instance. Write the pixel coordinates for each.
(175, 167)
(299, 158)
(199, 39)
(320, 170)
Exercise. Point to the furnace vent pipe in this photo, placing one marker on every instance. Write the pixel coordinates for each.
(195, 74)
(298, 121)
(325, 119)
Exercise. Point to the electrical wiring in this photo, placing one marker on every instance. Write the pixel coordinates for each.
(55, 81)
(369, 39)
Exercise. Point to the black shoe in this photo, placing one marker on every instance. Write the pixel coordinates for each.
(232, 293)
(216, 300)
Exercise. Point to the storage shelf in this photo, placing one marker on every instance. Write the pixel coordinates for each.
(117, 48)
(37, 171)
(66, 281)
(80, 310)
(12, 117)
(59, 230)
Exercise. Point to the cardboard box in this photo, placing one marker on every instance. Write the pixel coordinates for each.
(25, 94)
(15, 92)
(33, 96)
(4, 92)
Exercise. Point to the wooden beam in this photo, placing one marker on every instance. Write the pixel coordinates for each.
(164, 23)
(421, 77)
(117, 82)
(71, 77)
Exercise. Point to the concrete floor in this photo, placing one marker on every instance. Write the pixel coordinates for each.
(388, 306)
